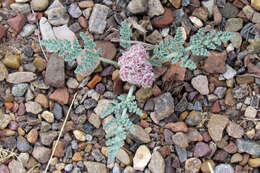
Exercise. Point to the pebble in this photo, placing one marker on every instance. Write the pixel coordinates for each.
(234, 130)
(180, 139)
(164, 20)
(194, 118)
(16, 167)
(22, 144)
(229, 11)
(217, 15)
(100, 88)
(248, 146)
(255, 4)
(87, 13)
(250, 112)
(3, 72)
(248, 11)
(123, 157)
(86, 4)
(155, 37)
(102, 106)
(137, 6)
(90, 103)
(61, 95)
(41, 154)
(55, 66)
(108, 49)
(75, 27)
(48, 116)
(95, 167)
(233, 24)
(155, 8)
(216, 62)
(39, 5)
(230, 73)
(224, 168)
(2, 31)
(63, 32)
(240, 92)
(255, 163)
(143, 94)
(177, 127)
(157, 163)
(216, 126)
(33, 107)
(57, 14)
(47, 138)
(46, 29)
(139, 135)
(97, 21)
(3, 168)
(236, 158)
(74, 10)
(194, 135)
(39, 63)
(220, 92)
(4, 120)
(79, 135)
(12, 61)
(27, 30)
(201, 13)
(23, 8)
(141, 158)
(205, 168)
(200, 83)
(192, 165)
(32, 136)
(21, 77)
(94, 120)
(196, 21)
(163, 107)
(72, 83)
(201, 149)
(42, 100)
(19, 90)
(237, 40)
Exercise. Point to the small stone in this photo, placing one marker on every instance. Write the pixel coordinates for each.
(176, 3)
(229, 11)
(55, 66)
(96, 79)
(82, 21)
(141, 158)
(3, 72)
(2, 31)
(157, 163)
(79, 135)
(229, 100)
(60, 95)
(46, 29)
(201, 13)
(42, 154)
(47, 138)
(39, 5)
(248, 146)
(217, 15)
(27, 30)
(100, 88)
(108, 49)
(12, 61)
(42, 100)
(72, 83)
(192, 165)
(194, 118)
(33, 107)
(87, 13)
(164, 20)
(237, 40)
(155, 8)
(57, 14)
(143, 94)
(18, 90)
(216, 126)
(48, 116)
(22, 144)
(155, 37)
(63, 32)
(74, 10)
(164, 107)
(97, 20)
(220, 92)
(236, 158)
(201, 149)
(250, 112)
(216, 62)
(139, 135)
(224, 168)
(194, 135)
(123, 157)
(21, 77)
(3, 169)
(248, 11)
(76, 157)
(196, 21)
(86, 4)
(137, 6)
(32, 136)
(90, 103)
(177, 127)
(233, 24)
(95, 167)
(94, 120)
(205, 168)
(255, 163)
(4, 120)
(234, 130)
(180, 139)
(200, 83)
(230, 73)
(17, 23)
(255, 4)
(59, 152)
(23, 8)
(16, 167)
(101, 106)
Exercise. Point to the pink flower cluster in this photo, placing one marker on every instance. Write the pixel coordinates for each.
(134, 67)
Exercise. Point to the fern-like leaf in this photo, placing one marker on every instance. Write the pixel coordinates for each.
(125, 34)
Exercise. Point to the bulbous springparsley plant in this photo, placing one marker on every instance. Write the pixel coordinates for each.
(135, 68)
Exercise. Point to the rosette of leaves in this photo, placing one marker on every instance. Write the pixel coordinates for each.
(172, 49)
(72, 51)
(118, 126)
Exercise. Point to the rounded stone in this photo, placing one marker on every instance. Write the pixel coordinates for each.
(39, 5)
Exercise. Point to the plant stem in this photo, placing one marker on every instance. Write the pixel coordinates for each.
(171, 55)
(108, 61)
(130, 92)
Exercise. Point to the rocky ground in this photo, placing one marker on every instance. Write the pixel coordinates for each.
(206, 120)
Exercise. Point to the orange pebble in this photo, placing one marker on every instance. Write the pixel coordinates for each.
(94, 81)
(9, 105)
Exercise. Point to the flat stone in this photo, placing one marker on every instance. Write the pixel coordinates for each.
(108, 49)
(216, 126)
(60, 95)
(217, 15)
(209, 5)
(48, 116)
(155, 8)
(27, 30)
(141, 158)
(123, 157)
(177, 127)
(239, 92)
(250, 112)
(74, 10)
(63, 32)
(17, 22)
(194, 118)
(32, 136)
(229, 11)
(39, 5)
(4, 169)
(137, 6)
(233, 24)
(4, 120)
(155, 37)
(193, 135)
(42, 100)
(95, 167)
(97, 21)
(235, 130)
(180, 139)
(79, 135)
(86, 4)
(230, 73)
(200, 83)
(47, 138)
(201, 149)
(94, 119)
(248, 146)
(139, 135)
(143, 94)
(164, 20)
(46, 29)
(21, 77)
(55, 66)
(224, 168)
(255, 4)
(23, 8)
(201, 13)
(2, 31)
(12, 61)
(57, 14)
(22, 145)
(33, 107)
(16, 167)
(192, 165)
(176, 3)
(216, 62)
(255, 163)
(196, 21)
(237, 40)
(19, 90)
(41, 154)
(248, 11)
(157, 163)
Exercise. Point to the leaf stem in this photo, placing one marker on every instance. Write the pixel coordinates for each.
(108, 61)
(171, 55)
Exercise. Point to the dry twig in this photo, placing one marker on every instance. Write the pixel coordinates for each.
(6, 154)
(210, 168)
(61, 131)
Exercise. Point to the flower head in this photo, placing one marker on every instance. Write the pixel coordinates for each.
(134, 67)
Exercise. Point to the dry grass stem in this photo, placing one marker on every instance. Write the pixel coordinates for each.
(147, 45)
(210, 168)
(60, 134)
(6, 154)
